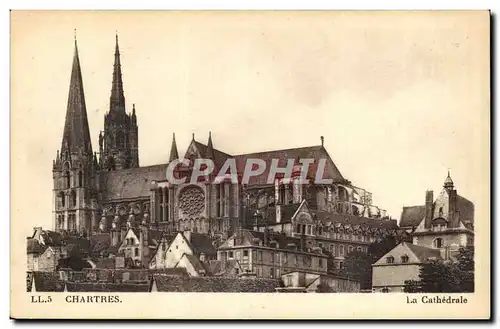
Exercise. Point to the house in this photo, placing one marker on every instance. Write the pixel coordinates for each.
(268, 254)
(400, 264)
(163, 283)
(335, 233)
(301, 281)
(188, 250)
(446, 222)
(44, 250)
(44, 282)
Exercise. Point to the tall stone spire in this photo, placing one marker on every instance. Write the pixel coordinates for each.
(174, 155)
(117, 99)
(76, 135)
(210, 147)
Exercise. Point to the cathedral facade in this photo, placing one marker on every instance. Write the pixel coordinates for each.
(97, 191)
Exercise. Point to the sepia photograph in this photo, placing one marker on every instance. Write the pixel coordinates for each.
(214, 159)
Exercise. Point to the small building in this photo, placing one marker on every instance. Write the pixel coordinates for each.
(189, 250)
(269, 254)
(44, 250)
(400, 264)
(108, 286)
(446, 222)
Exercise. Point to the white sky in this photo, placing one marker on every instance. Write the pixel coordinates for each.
(400, 98)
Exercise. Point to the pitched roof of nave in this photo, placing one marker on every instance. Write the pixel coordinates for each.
(131, 183)
(135, 182)
(309, 152)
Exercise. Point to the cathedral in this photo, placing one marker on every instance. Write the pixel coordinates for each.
(100, 190)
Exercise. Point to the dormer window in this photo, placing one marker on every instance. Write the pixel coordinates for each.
(390, 260)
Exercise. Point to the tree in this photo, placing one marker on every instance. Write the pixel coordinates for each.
(440, 276)
(358, 266)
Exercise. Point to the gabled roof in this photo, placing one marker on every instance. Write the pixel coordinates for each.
(412, 216)
(51, 238)
(423, 253)
(34, 247)
(465, 209)
(269, 215)
(220, 268)
(215, 284)
(131, 183)
(47, 281)
(195, 262)
(202, 243)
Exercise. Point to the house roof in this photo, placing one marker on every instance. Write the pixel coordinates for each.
(214, 284)
(47, 281)
(202, 243)
(423, 253)
(131, 183)
(269, 214)
(412, 216)
(100, 242)
(195, 262)
(35, 247)
(465, 209)
(107, 287)
(327, 217)
(51, 238)
(219, 268)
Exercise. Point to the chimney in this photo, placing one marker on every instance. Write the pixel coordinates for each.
(429, 202)
(37, 231)
(115, 237)
(187, 235)
(453, 219)
(278, 213)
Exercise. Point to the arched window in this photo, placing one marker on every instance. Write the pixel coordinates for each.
(349, 249)
(160, 208)
(341, 250)
(73, 199)
(80, 179)
(438, 243)
(281, 190)
(67, 179)
(61, 199)
(166, 205)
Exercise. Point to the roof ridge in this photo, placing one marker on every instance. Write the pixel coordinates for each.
(279, 150)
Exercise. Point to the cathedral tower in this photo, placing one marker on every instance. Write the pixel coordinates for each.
(75, 165)
(118, 147)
